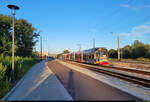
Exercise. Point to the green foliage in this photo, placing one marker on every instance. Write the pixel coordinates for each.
(25, 36)
(35, 54)
(112, 53)
(126, 51)
(22, 65)
(147, 54)
(137, 50)
(5, 36)
(5, 86)
(65, 51)
(2, 71)
(25, 39)
(58, 55)
(6, 61)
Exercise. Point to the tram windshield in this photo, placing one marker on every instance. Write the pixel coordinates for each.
(101, 53)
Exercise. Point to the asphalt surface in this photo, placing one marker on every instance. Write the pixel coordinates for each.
(83, 87)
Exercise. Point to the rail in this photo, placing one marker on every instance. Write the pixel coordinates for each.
(136, 80)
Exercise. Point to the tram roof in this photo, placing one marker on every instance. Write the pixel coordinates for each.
(93, 49)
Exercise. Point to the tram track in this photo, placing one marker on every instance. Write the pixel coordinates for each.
(133, 79)
(128, 70)
(132, 62)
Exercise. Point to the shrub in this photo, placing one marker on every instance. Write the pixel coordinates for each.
(5, 86)
(22, 65)
(2, 71)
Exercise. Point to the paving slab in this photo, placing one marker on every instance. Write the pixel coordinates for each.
(40, 83)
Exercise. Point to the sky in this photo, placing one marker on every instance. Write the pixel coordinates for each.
(67, 23)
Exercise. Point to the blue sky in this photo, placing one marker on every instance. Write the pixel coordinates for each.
(66, 23)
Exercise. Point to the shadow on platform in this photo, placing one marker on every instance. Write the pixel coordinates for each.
(70, 85)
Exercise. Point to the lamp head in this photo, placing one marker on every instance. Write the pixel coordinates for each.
(14, 7)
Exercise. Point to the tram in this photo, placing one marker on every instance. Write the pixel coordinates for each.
(97, 55)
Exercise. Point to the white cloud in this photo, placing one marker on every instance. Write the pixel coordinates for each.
(138, 31)
(124, 5)
(128, 6)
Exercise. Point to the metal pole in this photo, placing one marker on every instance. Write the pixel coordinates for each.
(13, 8)
(74, 56)
(113, 33)
(93, 43)
(81, 56)
(80, 47)
(118, 49)
(41, 47)
(13, 24)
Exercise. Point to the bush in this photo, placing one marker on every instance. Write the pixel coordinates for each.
(5, 86)
(6, 61)
(22, 65)
(112, 53)
(2, 71)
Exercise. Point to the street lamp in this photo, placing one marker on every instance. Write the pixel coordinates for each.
(13, 8)
(40, 44)
(45, 40)
(93, 43)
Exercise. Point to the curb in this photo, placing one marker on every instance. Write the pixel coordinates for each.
(16, 86)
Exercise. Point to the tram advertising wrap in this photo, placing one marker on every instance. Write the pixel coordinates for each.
(97, 55)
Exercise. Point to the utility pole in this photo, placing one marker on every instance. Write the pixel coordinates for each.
(80, 52)
(41, 46)
(118, 48)
(44, 48)
(93, 43)
(13, 8)
(81, 56)
(74, 56)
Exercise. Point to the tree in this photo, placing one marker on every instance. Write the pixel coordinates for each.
(126, 51)
(112, 53)
(59, 55)
(138, 49)
(66, 51)
(147, 55)
(25, 36)
(5, 35)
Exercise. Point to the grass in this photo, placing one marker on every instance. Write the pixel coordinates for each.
(22, 65)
